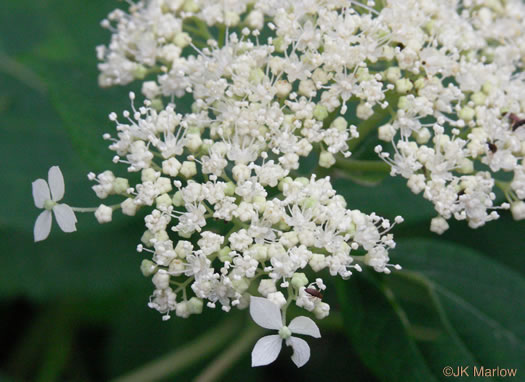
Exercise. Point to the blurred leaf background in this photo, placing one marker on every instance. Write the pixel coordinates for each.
(74, 307)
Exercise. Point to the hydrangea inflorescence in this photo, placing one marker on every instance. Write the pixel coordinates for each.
(272, 82)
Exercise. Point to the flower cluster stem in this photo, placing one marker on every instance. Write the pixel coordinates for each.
(222, 363)
(93, 209)
(354, 165)
(183, 357)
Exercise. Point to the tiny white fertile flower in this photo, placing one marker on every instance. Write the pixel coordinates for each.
(267, 315)
(518, 210)
(103, 214)
(46, 195)
(438, 225)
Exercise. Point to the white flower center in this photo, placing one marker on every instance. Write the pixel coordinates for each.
(285, 333)
(49, 204)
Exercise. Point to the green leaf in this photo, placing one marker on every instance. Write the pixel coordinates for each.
(33, 141)
(146, 338)
(480, 299)
(20, 28)
(501, 240)
(80, 264)
(377, 333)
(94, 261)
(389, 199)
(449, 306)
(83, 108)
(62, 59)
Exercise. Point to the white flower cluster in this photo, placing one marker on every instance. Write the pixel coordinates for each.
(229, 216)
(458, 125)
(447, 73)
(255, 225)
(262, 86)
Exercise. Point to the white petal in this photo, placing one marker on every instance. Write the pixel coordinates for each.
(304, 325)
(66, 218)
(42, 226)
(301, 350)
(266, 350)
(265, 313)
(56, 183)
(40, 192)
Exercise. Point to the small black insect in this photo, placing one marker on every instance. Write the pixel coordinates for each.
(492, 147)
(314, 292)
(521, 122)
(516, 121)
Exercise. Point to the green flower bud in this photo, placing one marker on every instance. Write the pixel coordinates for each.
(278, 43)
(183, 248)
(466, 113)
(466, 166)
(340, 124)
(429, 27)
(256, 76)
(402, 103)
(351, 229)
(260, 202)
(241, 285)
(479, 98)
(420, 83)
(146, 237)
(393, 74)
(193, 141)
(299, 280)
(320, 75)
(157, 104)
(229, 189)
(362, 74)
(182, 39)
(148, 175)
(259, 252)
(148, 267)
(404, 85)
(161, 236)
(188, 170)
(205, 147)
(320, 112)
(224, 254)
(487, 88)
(284, 181)
(304, 181)
(326, 159)
(177, 199)
(283, 226)
(140, 72)
(195, 305)
(163, 200)
(276, 250)
(190, 6)
(120, 185)
(309, 203)
(289, 239)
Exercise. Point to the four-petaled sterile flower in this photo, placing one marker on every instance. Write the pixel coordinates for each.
(44, 199)
(268, 315)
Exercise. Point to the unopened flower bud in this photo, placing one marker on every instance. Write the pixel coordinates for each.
(148, 267)
(104, 214)
(299, 280)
